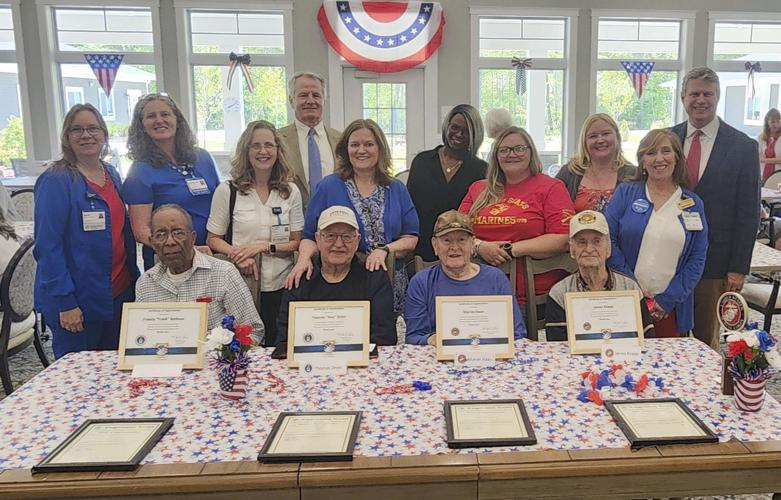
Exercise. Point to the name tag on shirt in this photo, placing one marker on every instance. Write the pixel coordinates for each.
(692, 221)
(685, 203)
(280, 233)
(93, 220)
(197, 186)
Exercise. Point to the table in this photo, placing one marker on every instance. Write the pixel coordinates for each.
(401, 450)
(17, 183)
(765, 259)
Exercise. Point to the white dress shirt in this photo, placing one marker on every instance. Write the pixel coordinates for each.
(326, 155)
(707, 138)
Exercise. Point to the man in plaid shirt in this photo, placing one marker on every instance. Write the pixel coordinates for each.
(183, 274)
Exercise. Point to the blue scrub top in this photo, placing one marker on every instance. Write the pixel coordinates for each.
(147, 184)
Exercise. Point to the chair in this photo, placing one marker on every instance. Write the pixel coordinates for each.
(533, 267)
(764, 298)
(403, 176)
(419, 264)
(24, 202)
(390, 262)
(28, 168)
(773, 181)
(18, 327)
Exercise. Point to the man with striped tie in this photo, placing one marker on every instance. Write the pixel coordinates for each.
(309, 143)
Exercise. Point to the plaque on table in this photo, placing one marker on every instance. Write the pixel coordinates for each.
(112, 444)
(486, 423)
(327, 436)
(328, 332)
(732, 311)
(596, 317)
(157, 333)
(474, 324)
(652, 422)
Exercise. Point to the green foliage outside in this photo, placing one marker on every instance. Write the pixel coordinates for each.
(12, 141)
(617, 98)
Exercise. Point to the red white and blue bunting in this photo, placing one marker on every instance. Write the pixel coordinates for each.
(384, 37)
(639, 72)
(105, 67)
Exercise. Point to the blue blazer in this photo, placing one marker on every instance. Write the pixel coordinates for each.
(626, 234)
(74, 266)
(729, 187)
(399, 216)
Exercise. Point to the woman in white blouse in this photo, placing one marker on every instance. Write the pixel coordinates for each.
(259, 212)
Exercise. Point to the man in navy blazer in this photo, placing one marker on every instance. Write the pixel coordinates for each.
(726, 177)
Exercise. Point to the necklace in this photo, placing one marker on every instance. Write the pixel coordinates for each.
(447, 162)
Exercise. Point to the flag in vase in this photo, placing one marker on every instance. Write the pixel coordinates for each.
(639, 72)
(105, 67)
(233, 383)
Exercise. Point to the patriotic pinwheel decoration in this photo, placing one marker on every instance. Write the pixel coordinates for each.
(520, 66)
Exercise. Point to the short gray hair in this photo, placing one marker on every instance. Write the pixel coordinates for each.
(700, 73)
(497, 120)
(291, 84)
(173, 206)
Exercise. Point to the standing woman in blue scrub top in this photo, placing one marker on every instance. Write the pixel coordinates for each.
(83, 244)
(168, 167)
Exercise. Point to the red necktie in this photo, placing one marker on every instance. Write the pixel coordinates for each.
(693, 160)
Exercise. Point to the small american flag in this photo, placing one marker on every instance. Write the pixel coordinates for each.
(639, 72)
(105, 67)
(233, 382)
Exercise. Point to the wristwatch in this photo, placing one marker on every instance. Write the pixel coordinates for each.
(272, 248)
(508, 248)
(385, 248)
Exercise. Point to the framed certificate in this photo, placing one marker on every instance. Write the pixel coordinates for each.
(106, 445)
(327, 436)
(475, 323)
(652, 422)
(162, 333)
(477, 424)
(593, 317)
(332, 331)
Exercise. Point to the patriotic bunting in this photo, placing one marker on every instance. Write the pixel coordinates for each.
(105, 67)
(752, 68)
(243, 62)
(520, 66)
(639, 72)
(384, 37)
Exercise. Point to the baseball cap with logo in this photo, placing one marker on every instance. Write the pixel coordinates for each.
(588, 219)
(450, 221)
(336, 214)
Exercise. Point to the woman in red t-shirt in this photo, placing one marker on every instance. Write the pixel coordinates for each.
(517, 210)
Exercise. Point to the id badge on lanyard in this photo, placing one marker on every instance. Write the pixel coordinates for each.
(197, 186)
(280, 233)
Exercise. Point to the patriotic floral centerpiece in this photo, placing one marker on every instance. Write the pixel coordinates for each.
(231, 341)
(754, 359)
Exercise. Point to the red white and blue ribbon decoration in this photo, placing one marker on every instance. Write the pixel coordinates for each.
(520, 66)
(639, 72)
(241, 61)
(752, 68)
(384, 37)
(105, 67)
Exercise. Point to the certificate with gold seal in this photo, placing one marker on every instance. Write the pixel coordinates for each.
(328, 332)
(596, 317)
(474, 323)
(154, 333)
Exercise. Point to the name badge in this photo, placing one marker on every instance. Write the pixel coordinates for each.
(692, 221)
(280, 233)
(93, 220)
(640, 206)
(685, 203)
(197, 186)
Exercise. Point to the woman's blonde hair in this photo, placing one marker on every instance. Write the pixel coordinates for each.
(243, 173)
(579, 163)
(495, 176)
(771, 113)
(344, 169)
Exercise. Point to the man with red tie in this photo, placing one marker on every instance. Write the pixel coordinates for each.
(723, 170)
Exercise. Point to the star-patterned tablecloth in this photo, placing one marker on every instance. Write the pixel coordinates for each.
(80, 386)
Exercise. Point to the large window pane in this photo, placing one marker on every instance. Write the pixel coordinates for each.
(747, 41)
(7, 41)
(11, 129)
(506, 37)
(244, 32)
(109, 30)
(635, 117)
(742, 110)
(223, 113)
(628, 39)
(386, 104)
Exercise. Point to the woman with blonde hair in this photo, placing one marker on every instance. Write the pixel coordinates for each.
(769, 144)
(362, 180)
(259, 212)
(591, 176)
(517, 210)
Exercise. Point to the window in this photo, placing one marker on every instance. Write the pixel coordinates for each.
(386, 104)
(735, 43)
(127, 31)
(221, 114)
(638, 39)
(12, 144)
(544, 39)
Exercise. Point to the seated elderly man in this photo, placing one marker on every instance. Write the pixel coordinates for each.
(183, 274)
(589, 245)
(455, 274)
(338, 275)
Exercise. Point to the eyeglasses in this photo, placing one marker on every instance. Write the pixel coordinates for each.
(268, 146)
(176, 234)
(79, 131)
(346, 238)
(519, 150)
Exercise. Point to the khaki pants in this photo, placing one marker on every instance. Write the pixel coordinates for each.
(706, 323)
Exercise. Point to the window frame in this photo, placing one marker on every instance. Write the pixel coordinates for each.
(16, 56)
(567, 64)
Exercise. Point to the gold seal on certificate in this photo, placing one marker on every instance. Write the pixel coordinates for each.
(156, 333)
(596, 317)
(312, 437)
(473, 323)
(106, 445)
(653, 422)
(473, 424)
(326, 332)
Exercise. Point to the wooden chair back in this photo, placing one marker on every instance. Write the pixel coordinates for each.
(533, 267)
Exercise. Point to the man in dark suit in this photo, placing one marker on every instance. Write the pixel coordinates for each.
(310, 145)
(723, 168)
